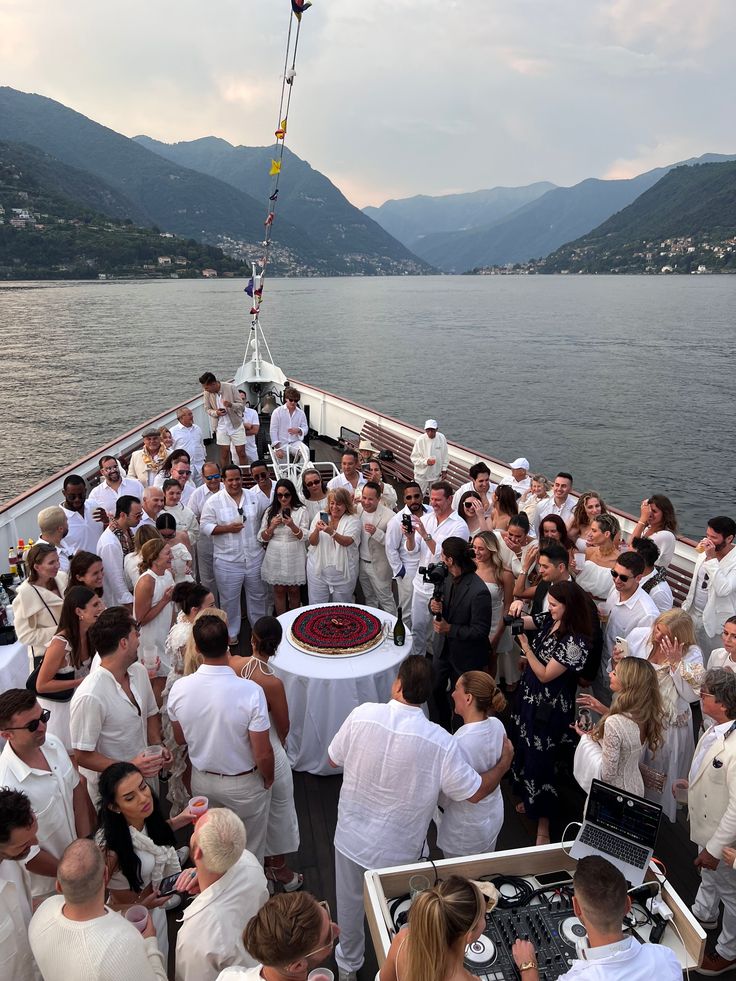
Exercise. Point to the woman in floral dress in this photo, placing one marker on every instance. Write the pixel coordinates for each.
(545, 700)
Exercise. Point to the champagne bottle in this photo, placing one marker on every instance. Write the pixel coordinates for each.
(399, 631)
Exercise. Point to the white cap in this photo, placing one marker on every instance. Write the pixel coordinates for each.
(431, 424)
(521, 464)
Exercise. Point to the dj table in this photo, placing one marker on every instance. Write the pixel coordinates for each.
(535, 886)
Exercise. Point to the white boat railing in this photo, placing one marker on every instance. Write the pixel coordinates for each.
(328, 414)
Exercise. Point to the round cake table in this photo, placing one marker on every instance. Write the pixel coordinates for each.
(323, 691)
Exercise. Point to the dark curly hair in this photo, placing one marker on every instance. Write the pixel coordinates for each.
(15, 812)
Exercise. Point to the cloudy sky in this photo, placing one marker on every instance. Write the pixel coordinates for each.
(399, 97)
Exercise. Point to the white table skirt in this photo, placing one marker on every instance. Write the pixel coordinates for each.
(13, 666)
(323, 691)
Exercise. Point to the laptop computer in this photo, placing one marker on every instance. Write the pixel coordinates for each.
(620, 827)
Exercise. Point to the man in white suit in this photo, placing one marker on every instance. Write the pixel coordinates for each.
(375, 571)
(712, 806)
(711, 599)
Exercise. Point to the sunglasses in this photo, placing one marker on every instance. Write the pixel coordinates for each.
(33, 724)
(240, 512)
(334, 932)
(617, 575)
(313, 483)
(213, 476)
(261, 476)
(183, 473)
(412, 497)
(285, 494)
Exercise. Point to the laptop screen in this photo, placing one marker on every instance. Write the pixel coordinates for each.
(623, 814)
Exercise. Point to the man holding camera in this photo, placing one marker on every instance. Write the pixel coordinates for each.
(431, 531)
(462, 622)
(402, 549)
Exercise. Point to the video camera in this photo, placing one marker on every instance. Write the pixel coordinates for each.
(516, 624)
(434, 573)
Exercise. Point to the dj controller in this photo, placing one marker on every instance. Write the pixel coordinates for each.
(547, 920)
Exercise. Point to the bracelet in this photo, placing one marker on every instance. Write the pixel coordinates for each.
(528, 966)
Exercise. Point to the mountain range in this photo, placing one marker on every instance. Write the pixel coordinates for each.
(533, 230)
(153, 189)
(686, 222)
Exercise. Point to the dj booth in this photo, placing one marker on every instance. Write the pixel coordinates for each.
(546, 918)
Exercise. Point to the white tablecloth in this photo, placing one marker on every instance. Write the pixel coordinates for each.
(13, 666)
(323, 691)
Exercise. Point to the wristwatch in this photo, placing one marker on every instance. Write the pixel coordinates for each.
(528, 966)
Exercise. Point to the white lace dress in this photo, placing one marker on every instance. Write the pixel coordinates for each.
(285, 561)
(176, 642)
(621, 752)
(679, 687)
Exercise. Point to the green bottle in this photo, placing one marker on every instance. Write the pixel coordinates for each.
(399, 631)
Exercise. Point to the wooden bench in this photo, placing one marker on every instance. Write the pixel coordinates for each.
(401, 468)
(679, 581)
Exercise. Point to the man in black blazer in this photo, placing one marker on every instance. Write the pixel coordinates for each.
(464, 626)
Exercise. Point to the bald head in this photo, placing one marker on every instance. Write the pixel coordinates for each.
(80, 872)
(153, 501)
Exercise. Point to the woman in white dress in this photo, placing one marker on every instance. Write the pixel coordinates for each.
(181, 557)
(67, 659)
(657, 520)
(153, 609)
(283, 827)
(284, 530)
(468, 829)
(635, 721)
(500, 583)
(601, 555)
(313, 493)
(191, 598)
(332, 560)
(589, 506)
(669, 646)
(37, 603)
(138, 843)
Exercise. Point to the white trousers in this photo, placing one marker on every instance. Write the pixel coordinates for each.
(245, 795)
(405, 587)
(350, 952)
(705, 642)
(377, 591)
(320, 592)
(230, 579)
(205, 567)
(719, 886)
(256, 590)
(421, 623)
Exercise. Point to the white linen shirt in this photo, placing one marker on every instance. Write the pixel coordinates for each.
(222, 509)
(340, 480)
(198, 500)
(51, 795)
(250, 418)
(661, 594)
(520, 486)
(469, 486)
(639, 610)
(103, 496)
(425, 449)
(103, 719)
(452, 526)
(282, 420)
(549, 506)
(211, 933)
(626, 960)
(186, 520)
(114, 587)
(16, 907)
(397, 553)
(239, 706)
(395, 764)
(84, 531)
(189, 438)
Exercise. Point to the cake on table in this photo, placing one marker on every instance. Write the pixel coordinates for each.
(336, 630)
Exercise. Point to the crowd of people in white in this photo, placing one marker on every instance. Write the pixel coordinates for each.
(131, 611)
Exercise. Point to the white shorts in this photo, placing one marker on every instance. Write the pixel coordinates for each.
(225, 438)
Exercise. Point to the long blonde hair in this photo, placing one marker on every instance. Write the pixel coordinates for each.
(491, 543)
(438, 919)
(639, 699)
(486, 695)
(192, 657)
(679, 624)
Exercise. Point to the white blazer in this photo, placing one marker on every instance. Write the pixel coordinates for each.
(712, 796)
(721, 602)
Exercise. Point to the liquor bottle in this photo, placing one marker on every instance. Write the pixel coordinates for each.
(12, 562)
(19, 558)
(399, 631)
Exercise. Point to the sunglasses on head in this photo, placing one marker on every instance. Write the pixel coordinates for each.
(619, 576)
(33, 724)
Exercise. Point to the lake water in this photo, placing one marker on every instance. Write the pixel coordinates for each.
(628, 382)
